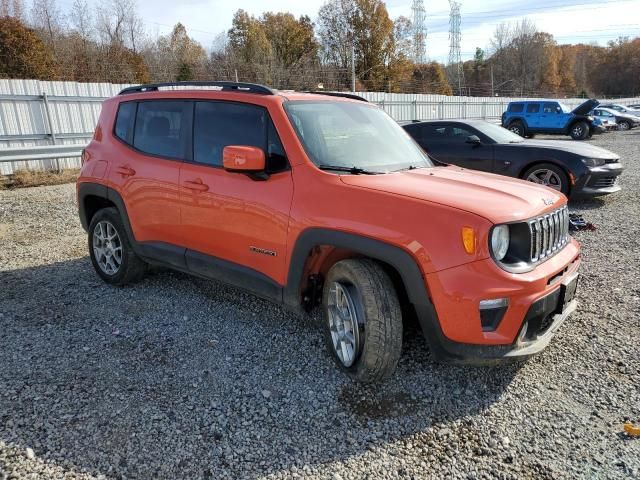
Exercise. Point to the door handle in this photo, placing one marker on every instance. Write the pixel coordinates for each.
(196, 185)
(125, 171)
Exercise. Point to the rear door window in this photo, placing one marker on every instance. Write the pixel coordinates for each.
(162, 128)
(533, 108)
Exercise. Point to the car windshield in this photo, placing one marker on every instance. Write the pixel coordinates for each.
(497, 133)
(565, 108)
(349, 134)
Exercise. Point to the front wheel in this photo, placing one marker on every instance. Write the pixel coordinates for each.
(548, 175)
(362, 320)
(579, 130)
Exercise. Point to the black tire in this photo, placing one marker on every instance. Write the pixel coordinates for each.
(579, 130)
(131, 268)
(378, 315)
(560, 175)
(517, 127)
(624, 125)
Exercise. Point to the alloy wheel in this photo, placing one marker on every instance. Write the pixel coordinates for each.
(343, 323)
(577, 131)
(107, 247)
(546, 177)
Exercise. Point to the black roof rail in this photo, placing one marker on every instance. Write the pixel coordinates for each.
(340, 94)
(225, 86)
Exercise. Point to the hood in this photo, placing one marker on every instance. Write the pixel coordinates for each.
(586, 107)
(582, 149)
(497, 198)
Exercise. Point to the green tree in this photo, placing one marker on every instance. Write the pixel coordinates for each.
(24, 55)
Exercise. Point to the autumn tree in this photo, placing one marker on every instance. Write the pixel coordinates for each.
(176, 57)
(24, 55)
(431, 78)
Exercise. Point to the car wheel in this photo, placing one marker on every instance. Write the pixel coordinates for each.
(517, 127)
(579, 130)
(111, 254)
(624, 125)
(548, 175)
(362, 320)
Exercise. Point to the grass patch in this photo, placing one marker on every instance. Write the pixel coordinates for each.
(36, 178)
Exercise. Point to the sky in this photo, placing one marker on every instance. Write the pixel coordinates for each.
(570, 21)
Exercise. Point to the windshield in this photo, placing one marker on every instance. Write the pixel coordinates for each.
(565, 109)
(348, 134)
(498, 134)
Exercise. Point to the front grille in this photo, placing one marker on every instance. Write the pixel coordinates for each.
(603, 182)
(549, 234)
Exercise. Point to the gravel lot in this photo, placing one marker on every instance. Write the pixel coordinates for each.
(177, 377)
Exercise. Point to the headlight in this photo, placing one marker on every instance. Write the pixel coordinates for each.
(590, 118)
(593, 162)
(500, 241)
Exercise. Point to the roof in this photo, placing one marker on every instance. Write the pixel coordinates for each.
(202, 87)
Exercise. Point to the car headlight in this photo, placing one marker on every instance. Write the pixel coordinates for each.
(590, 118)
(499, 241)
(593, 162)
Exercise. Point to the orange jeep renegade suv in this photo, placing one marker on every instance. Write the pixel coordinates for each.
(322, 199)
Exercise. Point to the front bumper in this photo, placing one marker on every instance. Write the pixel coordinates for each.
(531, 320)
(598, 181)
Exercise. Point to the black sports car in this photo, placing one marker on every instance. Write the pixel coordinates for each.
(576, 169)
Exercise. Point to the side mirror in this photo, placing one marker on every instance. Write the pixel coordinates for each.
(473, 140)
(558, 110)
(243, 159)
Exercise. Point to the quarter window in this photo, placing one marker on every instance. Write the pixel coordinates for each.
(516, 107)
(161, 128)
(533, 108)
(124, 121)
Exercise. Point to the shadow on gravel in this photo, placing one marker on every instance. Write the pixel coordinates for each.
(178, 377)
(587, 204)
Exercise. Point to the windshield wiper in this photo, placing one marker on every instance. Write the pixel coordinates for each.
(352, 170)
(411, 167)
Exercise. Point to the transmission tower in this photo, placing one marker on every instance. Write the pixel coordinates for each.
(456, 72)
(419, 32)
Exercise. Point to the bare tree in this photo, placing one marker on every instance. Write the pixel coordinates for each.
(12, 8)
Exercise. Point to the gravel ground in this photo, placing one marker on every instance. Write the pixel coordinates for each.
(178, 377)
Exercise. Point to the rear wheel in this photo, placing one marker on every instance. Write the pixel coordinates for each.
(111, 254)
(548, 175)
(362, 320)
(517, 127)
(579, 130)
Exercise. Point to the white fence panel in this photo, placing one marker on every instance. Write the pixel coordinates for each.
(74, 108)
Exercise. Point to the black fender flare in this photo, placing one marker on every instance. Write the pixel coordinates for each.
(518, 119)
(87, 189)
(398, 258)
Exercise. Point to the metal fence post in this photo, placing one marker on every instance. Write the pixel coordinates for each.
(415, 110)
(440, 109)
(54, 140)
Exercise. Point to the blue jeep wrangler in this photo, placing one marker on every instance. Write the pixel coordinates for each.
(526, 118)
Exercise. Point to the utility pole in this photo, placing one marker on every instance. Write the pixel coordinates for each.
(492, 92)
(456, 70)
(419, 32)
(353, 67)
